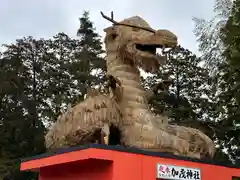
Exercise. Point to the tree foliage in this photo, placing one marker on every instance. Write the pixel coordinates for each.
(209, 36)
(92, 51)
(38, 79)
(231, 40)
(220, 35)
(188, 100)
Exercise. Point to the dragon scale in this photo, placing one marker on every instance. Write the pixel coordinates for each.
(130, 44)
(137, 117)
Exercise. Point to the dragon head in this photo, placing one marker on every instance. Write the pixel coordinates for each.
(136, 42)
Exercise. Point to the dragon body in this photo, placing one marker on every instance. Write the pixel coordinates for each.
(130, 44)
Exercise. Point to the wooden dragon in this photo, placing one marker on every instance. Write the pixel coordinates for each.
(130, 44)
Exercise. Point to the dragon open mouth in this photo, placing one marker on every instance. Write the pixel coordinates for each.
(149, 48)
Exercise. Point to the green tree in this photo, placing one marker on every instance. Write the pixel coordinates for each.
(59, 86)
(38, 79)
(215, 37)
(208, 33)
(90, 57)
(231, 40)
(21, 127)
(188, 100)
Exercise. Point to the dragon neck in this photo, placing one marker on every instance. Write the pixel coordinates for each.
(133, 95)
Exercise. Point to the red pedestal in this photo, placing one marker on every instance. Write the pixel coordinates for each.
(98, 162)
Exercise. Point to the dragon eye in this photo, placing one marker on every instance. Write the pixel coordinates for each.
(114, 36)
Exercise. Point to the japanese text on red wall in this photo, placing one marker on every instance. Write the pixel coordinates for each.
(177, 172)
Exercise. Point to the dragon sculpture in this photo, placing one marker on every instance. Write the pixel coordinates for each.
(130, 44)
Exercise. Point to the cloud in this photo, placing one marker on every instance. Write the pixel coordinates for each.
(45, 18)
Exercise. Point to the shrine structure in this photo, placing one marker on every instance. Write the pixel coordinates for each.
(131, 141)
(104, 162)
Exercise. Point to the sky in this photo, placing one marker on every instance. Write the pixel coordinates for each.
(45, 18)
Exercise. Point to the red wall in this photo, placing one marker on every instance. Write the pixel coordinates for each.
(101, 164)
(82, 170)
(140, 167)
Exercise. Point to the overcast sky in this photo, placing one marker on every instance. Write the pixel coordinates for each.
(45, 18)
